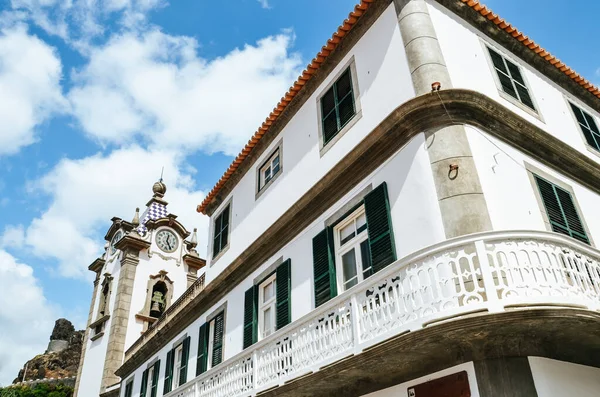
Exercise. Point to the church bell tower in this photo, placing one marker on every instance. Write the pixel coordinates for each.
(146, 265)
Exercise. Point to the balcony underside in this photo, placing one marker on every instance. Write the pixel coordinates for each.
(559, 333)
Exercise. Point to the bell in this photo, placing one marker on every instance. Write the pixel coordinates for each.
(155, 306)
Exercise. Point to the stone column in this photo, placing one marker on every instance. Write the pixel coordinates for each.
(130, 245)
(97, 267)
(462, 204)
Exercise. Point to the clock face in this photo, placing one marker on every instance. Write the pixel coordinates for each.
(166, 240)
(118, 235)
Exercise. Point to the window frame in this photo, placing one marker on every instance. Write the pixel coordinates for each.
(354, 244)
(228, 205)
(261, 188)
(570, 103)
(149, 380)
(532, 172)
(128, 387)
(351, 66)
(177, 363)
(517, 102)
(270, 304)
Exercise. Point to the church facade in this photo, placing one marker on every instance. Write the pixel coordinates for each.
(417, 217)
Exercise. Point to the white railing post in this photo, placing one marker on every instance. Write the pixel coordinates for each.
(254, 370)
(196, 389)
(355, 320)
(494, 304)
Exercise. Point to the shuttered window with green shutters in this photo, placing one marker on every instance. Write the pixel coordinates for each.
(561, 210)
(588, 126)
(221, 231)
(364, 256)
(337, 106)
(282, 279)
(202, 359)
(185, 354)
(144, 383)
(168, 383)
(218, 327)
(177, 366)
(150, 381)
(129, 389)
(511, 79)
(155, 374)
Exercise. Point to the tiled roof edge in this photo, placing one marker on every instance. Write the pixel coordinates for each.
(306, 75)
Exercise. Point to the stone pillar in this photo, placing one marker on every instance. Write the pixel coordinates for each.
(462, 204)
(87, 331)
(505, 377)
(120, 317)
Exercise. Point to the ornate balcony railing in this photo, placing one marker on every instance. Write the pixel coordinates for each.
(479, 273)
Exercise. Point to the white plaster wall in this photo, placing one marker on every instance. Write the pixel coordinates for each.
(384, 83)
(414, 207)
(469, 68)
(402, 389)
(93, 365)
(554, 378)
(509, 193)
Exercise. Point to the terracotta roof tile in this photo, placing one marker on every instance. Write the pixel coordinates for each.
(332, 43)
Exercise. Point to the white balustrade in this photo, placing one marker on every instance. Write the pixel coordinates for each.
(482, 272)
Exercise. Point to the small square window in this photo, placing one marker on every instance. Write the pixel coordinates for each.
(267, 305)
(588, 126)
(511, 79)
(269, 170)
(221, 231)
(337, 106)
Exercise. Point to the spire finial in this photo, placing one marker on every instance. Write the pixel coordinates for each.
(136, 218)
(161, 174)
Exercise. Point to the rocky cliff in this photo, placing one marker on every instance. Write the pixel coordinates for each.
(61, 360)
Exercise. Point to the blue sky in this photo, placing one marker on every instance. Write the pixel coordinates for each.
(96, 97)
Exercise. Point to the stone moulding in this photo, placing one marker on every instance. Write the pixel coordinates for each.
(424, 113)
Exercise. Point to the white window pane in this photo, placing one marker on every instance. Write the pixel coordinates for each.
(349, 265)
(347, 233)
(276, 161)
(361, 222)
(269, 291)
(268, 323)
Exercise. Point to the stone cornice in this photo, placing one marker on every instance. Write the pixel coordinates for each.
(132, 242)
(100, 321)
(194, 261)
(97, 265)
(410, 119)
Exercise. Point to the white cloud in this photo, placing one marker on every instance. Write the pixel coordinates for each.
(30, 92)
(85, 194)
(264, 4)
(26, 318)
(13, 237)
(155, 86)
(79, 21)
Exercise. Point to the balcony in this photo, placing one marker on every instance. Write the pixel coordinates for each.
(473, 277)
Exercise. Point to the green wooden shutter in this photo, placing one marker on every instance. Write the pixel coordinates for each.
(202, 360)
(155, 375)
(169, 372)
(219, 333)
(250, 316)
(379, 223)
(185, 354)
(561, 210)
(324, 267)
(284, 294)
(144, 383)
(129, 389)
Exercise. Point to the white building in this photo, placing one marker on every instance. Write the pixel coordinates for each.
(146, 266)
(417, 217)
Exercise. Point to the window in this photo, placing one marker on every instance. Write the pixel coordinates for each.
(267, 305)
(150, 380)
(561, 210)
(353, 255)
(129, 389)
(269, 170)
(210, 345)
(588, 127)
(337, 106)
(359, 244)
(177, 364)
(511, 80)
(221, 231)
